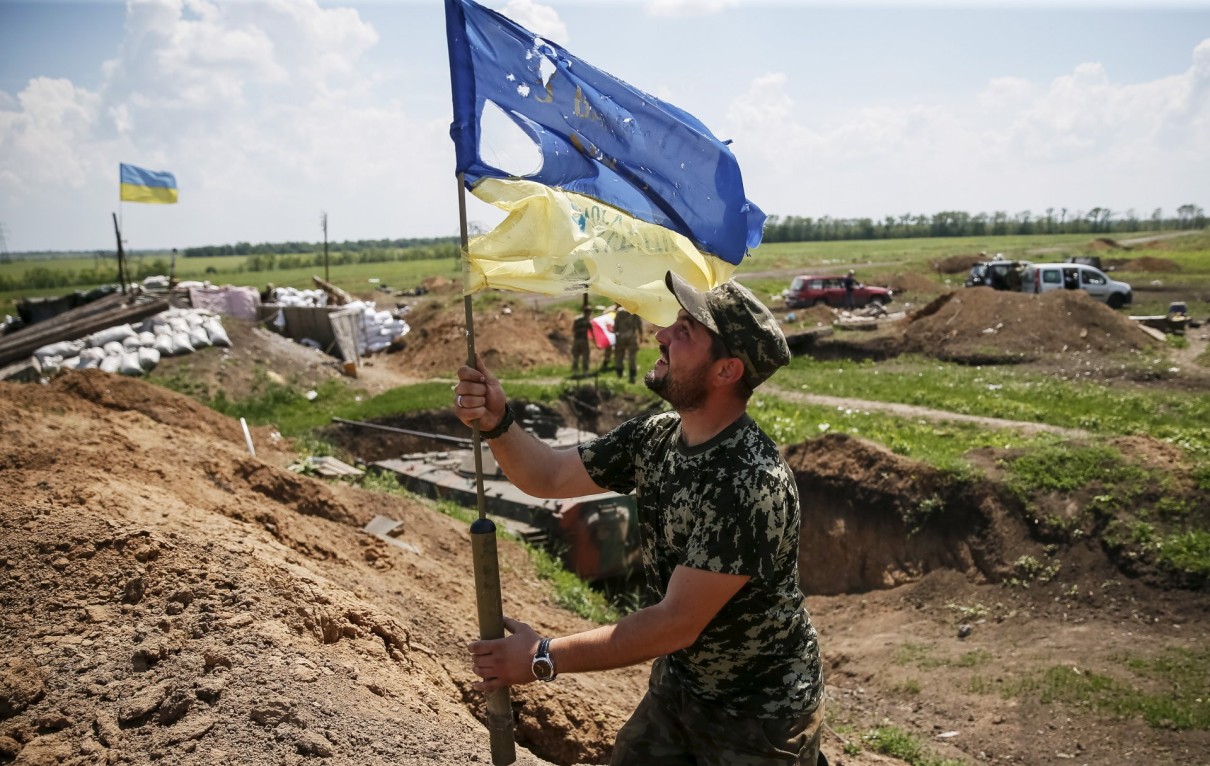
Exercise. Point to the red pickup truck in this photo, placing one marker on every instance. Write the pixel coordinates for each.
(806, 291)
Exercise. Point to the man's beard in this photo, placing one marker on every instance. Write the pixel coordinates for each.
(686, 392)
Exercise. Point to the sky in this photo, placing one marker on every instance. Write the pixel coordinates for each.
(273, 113)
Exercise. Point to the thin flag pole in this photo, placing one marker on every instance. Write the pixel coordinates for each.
(483, 544)
(117, 230)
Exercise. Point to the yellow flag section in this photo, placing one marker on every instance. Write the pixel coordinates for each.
(554, 242)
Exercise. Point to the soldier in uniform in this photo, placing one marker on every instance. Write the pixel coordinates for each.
(736, 677)
(627, 328)
(581, 332)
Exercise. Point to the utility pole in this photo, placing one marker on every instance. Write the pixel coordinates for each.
(4, 257)
(323, 222)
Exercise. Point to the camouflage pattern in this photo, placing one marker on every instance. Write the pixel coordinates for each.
(581, 330)
(672, 727)
(626, 328)
(729, 506)
(747, 328)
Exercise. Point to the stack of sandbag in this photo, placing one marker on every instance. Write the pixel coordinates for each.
(292, 296)
(135, 349)
(378, 329)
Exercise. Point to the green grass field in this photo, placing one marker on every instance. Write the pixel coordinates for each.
(877, 261)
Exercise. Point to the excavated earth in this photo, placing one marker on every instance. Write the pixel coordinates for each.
(170, 598)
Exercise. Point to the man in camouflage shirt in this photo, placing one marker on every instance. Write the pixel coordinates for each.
(737, 677)
(581, 331)
(627, 329)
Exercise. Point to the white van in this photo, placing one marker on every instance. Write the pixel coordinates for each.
(1044, 277)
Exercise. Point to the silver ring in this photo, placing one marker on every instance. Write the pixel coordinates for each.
(459, 400)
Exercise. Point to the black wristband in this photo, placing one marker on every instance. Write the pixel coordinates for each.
(502, 426)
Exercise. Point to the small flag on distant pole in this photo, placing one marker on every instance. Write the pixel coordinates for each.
(139, 185)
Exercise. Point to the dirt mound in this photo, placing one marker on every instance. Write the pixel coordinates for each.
(912, 283)
(1148, 263)
(959, 264)
(182, 602)
(984, 325)
(818, 315)
(507, 336)
(1105, 243)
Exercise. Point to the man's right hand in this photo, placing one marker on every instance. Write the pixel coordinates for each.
(478, 396)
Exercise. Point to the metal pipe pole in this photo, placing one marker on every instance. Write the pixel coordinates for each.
(483, 546)
(117, 230)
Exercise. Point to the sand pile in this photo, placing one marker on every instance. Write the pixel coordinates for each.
(985, 325)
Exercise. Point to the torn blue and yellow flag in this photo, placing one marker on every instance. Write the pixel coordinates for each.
(139, 185)
(629, 186)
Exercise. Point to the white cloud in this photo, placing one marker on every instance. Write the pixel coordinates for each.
(683, 8)
(538, 18)
(1084, 138)
(39, 140)
(264, 112)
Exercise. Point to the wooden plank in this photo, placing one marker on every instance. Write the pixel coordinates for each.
(23, 343)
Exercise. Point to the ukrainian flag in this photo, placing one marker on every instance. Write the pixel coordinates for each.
(629, 188)
(139, 185)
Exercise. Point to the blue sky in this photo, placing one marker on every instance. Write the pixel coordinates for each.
(271, 113)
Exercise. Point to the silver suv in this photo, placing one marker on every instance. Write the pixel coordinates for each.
(1044, 277)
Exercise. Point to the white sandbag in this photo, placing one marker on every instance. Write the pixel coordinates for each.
(148, 358)
(146, 339)
(49, 365)
(195, 319)
(163, 344)
(71, 363)
(198, 337)
(131, 343)
(130, 364)
(117, 333)
(113, 348)
(214, 329)
(111, 363)
(178, 324)
(63, 348)
(181, 344)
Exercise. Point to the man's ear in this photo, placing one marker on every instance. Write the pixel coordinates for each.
(729, 370)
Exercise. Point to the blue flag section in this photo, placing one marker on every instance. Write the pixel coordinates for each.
(599, 138)
(139, 185)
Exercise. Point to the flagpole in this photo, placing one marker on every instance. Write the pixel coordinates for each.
(117, 230)
(483, 544)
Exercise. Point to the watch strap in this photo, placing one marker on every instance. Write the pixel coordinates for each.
(502, 426)
(542, 657)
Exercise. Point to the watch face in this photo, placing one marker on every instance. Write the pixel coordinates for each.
(543, 668)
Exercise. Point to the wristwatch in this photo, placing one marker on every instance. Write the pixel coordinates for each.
(543, 666)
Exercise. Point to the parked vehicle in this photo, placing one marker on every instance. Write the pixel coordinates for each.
(1044, 277)
(998, 274)
(806, 291)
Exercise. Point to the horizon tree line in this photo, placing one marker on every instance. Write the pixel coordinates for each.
(957, 223)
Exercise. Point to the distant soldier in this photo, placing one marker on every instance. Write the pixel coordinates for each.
(628, 329)
(581, 332)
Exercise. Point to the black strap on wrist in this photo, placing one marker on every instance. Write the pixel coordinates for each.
(502, 426)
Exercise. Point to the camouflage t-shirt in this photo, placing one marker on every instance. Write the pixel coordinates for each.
(626, 327)
(729, 506)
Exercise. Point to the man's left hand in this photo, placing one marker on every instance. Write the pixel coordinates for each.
(505, 661)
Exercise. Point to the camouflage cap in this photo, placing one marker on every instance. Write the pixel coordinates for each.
(748, 329)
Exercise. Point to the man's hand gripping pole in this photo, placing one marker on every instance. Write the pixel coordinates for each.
(483, 552)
